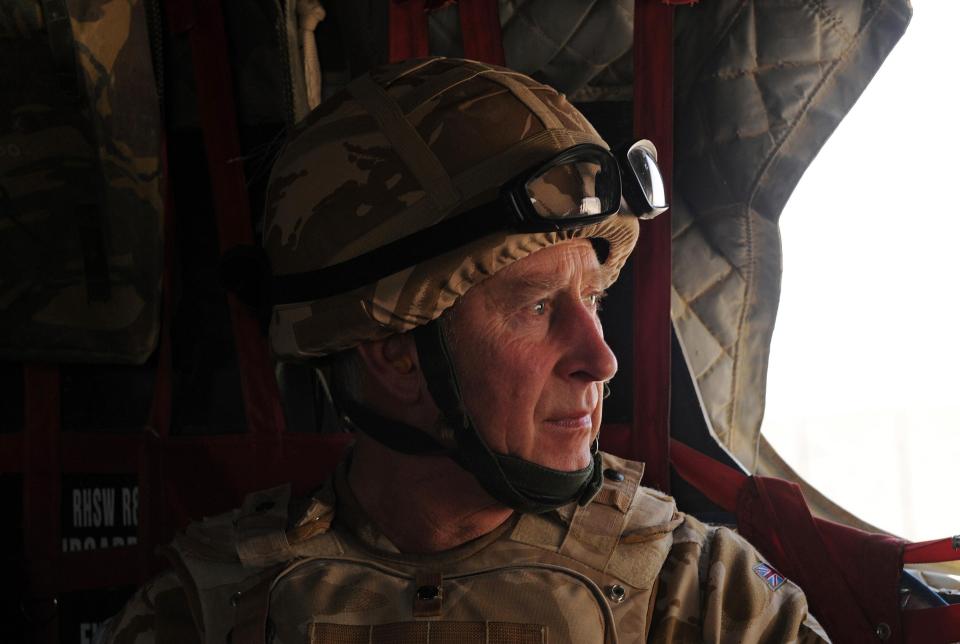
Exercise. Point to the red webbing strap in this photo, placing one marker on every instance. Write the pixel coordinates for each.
(932, 551)
(161, 404)
(408, 30)
(480, 29)
(150, 516)
(653, 119)
(41, 492)
(203, 20)
(800, 555)
(717, 482)
(853, 591)
(934, 625)
(939, 625)
(850, 576)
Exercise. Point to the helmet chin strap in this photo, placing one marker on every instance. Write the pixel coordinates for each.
(515, 482)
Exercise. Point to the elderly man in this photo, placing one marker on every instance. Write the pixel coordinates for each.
(440, 237)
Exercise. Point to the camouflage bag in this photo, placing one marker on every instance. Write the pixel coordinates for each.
(80, 182)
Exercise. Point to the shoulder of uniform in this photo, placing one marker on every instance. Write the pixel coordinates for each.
(648, 511)
(747, 571)
(161, 600)
(713, 571)
(264, 530)
(626, 530)
(232, 554)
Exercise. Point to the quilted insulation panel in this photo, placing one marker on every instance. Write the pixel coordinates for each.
(759, 87)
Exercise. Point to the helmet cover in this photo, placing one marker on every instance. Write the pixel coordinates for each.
(405, 147)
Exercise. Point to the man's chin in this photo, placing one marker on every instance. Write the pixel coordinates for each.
(568, 461)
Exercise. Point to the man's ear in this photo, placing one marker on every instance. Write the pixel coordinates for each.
(393, 365)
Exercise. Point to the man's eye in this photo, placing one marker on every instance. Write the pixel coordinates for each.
(595, 300)
(540, 307)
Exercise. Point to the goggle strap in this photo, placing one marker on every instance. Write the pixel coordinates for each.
(384, 261)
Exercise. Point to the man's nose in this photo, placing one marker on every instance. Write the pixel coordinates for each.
(588, 357)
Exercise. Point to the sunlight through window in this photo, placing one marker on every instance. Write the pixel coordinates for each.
(862, 388)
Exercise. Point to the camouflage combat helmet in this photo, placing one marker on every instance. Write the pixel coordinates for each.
(408, 154)
(403, 148)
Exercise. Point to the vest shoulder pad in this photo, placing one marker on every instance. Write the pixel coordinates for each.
(626, 531)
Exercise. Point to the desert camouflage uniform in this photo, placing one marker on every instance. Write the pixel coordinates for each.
(628, 567)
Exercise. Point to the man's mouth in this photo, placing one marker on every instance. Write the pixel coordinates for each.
(574, 421)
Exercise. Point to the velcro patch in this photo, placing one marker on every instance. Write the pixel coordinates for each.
(768, 574)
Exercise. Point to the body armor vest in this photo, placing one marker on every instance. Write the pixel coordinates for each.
(576, 574)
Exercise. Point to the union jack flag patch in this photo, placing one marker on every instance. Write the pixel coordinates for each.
(769, 575)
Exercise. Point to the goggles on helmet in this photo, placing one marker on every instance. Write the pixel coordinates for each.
(583, 185)
(578, 187)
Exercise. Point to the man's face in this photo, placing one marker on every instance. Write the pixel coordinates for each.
(528, 349)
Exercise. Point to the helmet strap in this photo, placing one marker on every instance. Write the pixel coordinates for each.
(515, 482)
(398, 436)
(354, 416)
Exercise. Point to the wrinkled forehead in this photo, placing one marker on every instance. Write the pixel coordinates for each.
(569, 264)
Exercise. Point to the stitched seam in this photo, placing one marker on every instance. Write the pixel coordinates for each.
(680, 232)
(762, 69)
(707, 327)
(712, 285)
(764, 167)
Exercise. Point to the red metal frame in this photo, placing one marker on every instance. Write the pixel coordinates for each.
(480, 30)
(203, 23)
(41, 485)
(653, 119)
(408, 36)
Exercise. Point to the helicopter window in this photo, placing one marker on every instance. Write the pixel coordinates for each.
(862, 385)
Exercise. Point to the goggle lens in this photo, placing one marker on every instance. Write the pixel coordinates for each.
(586, 186)
(648, 177)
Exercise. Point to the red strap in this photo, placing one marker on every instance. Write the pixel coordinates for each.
(773, 516)
(850, 576)
(160, 410)
(848, 603)
(408, 30)
(717, 482)
(150, 516)
(41, 456)
(653, 119)
(479, 26)
(932, 551)
(480, 29)
(41, 494)
(212, 74)
(939, 625)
